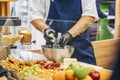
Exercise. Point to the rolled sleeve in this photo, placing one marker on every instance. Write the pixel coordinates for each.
(89, 8)
(36, 10)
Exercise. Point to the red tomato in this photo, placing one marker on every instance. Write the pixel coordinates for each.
(57, 64)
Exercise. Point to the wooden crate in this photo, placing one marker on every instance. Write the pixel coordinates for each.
(4, 7)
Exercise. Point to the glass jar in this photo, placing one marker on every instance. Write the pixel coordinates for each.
(26, 36)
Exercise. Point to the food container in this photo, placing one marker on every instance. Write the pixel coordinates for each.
(57, 54)
(26, 35)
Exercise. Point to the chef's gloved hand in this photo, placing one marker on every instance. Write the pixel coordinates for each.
(65, 38)
(49, 35)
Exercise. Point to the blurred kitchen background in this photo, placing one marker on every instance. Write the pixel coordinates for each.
(100, 30)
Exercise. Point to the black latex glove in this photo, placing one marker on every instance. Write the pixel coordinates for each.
(65, 38)
(49, 35)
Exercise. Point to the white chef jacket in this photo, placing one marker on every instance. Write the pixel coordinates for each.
(40, 9)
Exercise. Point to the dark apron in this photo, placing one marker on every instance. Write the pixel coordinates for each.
(63, 14)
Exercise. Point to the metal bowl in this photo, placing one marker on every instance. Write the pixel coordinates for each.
(57, 53)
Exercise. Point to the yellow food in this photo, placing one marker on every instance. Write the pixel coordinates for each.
(105, 74)
(14, 67)
(70, 74)
(26, 35)
(60, 75)
(86, 78)
(11, 39)
(47, 74)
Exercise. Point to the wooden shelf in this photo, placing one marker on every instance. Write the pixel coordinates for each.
(13, 0)
(4, 7)
(4, 0)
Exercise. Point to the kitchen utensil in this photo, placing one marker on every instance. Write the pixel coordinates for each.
(57, 53)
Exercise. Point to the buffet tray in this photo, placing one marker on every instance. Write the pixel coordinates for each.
(104, 73)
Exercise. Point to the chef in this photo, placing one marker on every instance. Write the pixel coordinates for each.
(69, 17)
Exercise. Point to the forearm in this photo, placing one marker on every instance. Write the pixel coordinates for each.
(39, 24)
(82, 25)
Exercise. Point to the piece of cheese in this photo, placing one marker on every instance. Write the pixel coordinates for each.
(68, 61)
